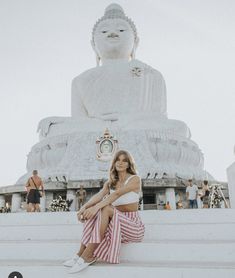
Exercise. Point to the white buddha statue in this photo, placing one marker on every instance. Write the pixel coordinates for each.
(121, 92)
(124, 95)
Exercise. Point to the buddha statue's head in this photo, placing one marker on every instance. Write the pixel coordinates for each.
(114, 35)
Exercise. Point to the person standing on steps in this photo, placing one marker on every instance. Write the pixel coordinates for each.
(206, 194)
(111, 216)
(35, 190)
(81, 196)
(192, 194)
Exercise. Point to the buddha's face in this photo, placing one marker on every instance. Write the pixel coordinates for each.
(114, 39)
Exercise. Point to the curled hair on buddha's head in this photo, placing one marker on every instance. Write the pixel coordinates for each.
(115, 11)
(113, 173)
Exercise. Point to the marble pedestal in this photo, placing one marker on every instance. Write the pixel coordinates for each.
(170, 197)
(231, 184)
(2, 201)
(73, 156)
(43, 203)
(16, 202)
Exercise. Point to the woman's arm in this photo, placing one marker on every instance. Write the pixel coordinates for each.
(133, 185)
(93, 201)
(97, 197)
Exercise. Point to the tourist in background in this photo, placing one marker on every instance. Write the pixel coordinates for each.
(199, 199)
(35, 190)
(206, 194)
(167, 206)
(192, 194)
(81, 196)
(111, 216)
(180, 205)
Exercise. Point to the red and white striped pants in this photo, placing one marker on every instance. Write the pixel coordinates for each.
(124, 227)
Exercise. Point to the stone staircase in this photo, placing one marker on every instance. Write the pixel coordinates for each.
(180, 243)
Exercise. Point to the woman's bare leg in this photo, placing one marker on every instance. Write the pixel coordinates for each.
(81, 250)
(106, 215)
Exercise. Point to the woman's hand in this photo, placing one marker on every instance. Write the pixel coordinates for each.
(80, 215)
(90, 212)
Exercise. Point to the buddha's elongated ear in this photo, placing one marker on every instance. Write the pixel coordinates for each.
(96, 54)
(136, 43)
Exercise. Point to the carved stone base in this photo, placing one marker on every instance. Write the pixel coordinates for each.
(73, 156)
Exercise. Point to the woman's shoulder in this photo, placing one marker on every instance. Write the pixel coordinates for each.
(133, 178)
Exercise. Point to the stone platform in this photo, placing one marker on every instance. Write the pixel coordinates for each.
(181, 243)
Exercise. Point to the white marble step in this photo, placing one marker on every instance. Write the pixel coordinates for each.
(47, 269)
(155, 251)
(196, 216)
(183, 243)
(160, 225)
(160, 231)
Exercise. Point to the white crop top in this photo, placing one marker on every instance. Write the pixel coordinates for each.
(128, 198)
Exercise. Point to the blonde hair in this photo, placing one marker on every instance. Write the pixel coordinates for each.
(113, 174)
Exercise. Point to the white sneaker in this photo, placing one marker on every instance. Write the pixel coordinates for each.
(71, 262)
(80, 265)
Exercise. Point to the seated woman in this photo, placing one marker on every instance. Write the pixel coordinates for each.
(111, 216)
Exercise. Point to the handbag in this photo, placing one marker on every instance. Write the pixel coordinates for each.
(40, 193)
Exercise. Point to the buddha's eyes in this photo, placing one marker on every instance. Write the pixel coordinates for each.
(105, 31)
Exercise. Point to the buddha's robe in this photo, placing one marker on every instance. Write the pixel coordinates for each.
(131, 95)
(118, 95)
(119, 89)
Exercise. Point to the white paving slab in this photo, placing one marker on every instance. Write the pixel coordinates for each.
(140, 270)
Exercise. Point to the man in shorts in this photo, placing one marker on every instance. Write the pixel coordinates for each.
(192, 194)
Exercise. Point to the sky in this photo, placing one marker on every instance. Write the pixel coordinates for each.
(44, 44)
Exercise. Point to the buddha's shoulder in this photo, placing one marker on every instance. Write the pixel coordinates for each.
(87, 75)
(96, 72)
